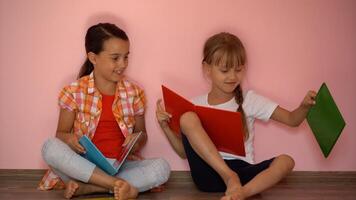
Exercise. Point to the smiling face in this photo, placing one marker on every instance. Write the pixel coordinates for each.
(111, 62)
(224, 78)
(224, 63)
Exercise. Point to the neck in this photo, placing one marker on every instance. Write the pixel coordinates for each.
(218, 97)
(104, 86)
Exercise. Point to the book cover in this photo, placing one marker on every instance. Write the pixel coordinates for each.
(94, 155)
(224, 128)
(325, 120)
(176, 106)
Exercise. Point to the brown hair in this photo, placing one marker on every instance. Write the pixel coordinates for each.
(94, 42)
(226, 47)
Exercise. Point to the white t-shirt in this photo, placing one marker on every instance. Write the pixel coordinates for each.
(255, 107)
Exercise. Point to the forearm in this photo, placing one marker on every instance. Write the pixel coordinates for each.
(142, 140)
(62, 135)
(175, 141)
(298, 115)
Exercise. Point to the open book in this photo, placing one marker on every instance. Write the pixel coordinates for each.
(325, 120)
(95, 156)
(224, 128)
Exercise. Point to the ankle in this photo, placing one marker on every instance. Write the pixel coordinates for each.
(232, 178)
(133, 192)
(248, 191)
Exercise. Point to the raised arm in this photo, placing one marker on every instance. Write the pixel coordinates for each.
(295, 118)
(163, 119)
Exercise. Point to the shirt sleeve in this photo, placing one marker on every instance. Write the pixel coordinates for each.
(259, 107)
(66, 100)
(139, 103)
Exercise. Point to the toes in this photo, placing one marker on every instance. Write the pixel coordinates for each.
(121, 190)
(225, 198)
(70, 190)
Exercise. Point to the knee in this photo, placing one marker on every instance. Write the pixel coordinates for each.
(188, 120)
(49, 152)
(288, 162)
(163, 170)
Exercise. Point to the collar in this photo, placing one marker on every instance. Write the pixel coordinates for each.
(91, 85)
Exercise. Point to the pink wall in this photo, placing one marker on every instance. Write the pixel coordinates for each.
(293, 46)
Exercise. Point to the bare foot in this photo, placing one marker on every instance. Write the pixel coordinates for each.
(124, 191)
(74, 188)
(234, 190)
(71, 188)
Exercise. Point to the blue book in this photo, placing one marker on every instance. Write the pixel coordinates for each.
(94, 155)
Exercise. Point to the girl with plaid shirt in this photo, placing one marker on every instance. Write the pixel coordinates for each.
(104, 105)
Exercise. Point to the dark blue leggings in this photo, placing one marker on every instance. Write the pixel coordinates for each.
(208, 180)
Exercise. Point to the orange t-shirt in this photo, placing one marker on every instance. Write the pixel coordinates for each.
(108, 137)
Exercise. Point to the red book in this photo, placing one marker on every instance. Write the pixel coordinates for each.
(224, 128)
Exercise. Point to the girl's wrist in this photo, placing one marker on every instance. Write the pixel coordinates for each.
(304, 106)
(164, 125)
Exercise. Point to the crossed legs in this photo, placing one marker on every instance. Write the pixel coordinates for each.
(63, 159)
(100, 182)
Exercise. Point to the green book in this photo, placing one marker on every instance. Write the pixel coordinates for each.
(325, 120)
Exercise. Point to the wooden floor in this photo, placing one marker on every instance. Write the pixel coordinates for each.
(21, 184)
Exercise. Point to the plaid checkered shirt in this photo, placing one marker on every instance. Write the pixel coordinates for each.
(84, 99)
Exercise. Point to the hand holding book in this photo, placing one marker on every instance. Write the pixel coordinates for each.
(133, 155)
(223, 127)
(94, 155)
(72, 140)
(309, 100)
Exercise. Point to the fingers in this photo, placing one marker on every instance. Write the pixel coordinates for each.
(312, 96)
(160, 109)
(161, 115)
(127, 140)
(79, 147)
(309, 99)
(158, 104)
(130, 157)
(73, 142)
(312, 93)
(134, 157)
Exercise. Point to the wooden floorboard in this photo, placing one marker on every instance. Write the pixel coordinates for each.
(21, 184)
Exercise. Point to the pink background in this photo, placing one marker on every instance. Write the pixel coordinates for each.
(292, 46)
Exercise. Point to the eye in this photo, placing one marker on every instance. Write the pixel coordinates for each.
(224, 69)
(115, 58)
(239, 68)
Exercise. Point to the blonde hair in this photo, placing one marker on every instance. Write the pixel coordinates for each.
(226, 48)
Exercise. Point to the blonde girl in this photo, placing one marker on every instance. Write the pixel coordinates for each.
(224, 63)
